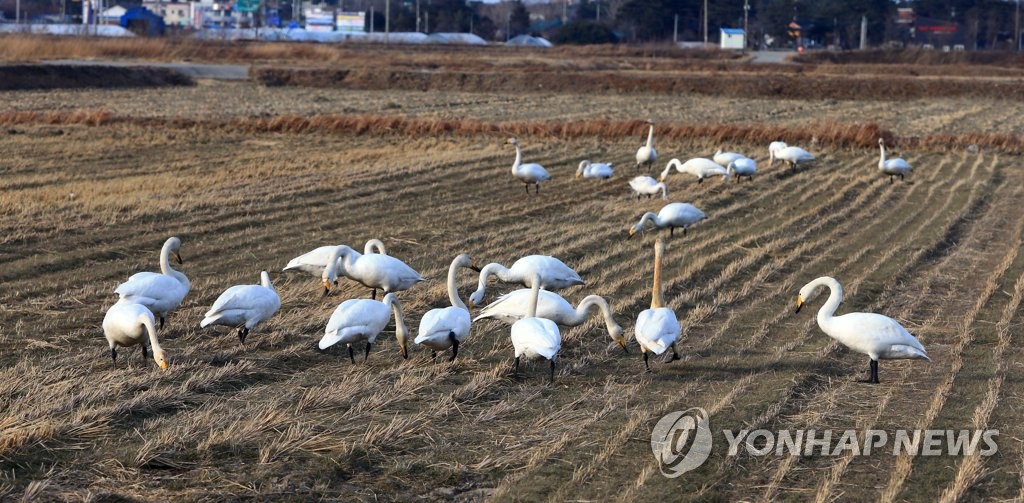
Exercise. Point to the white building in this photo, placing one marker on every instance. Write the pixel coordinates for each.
(733, 38)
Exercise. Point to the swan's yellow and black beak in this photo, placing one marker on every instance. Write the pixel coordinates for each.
(163, 365)
(177, 256)
(661, 179)
(327, 287)
(578, 174)
(631, 232)
(475, 267)
(799, 303)
(405, 352)
(622, 342)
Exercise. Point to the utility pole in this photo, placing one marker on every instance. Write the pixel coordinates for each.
(417, 15)
(565, 12)
(598, 4)
(387, 20)
(675, 30)
(746, 34)
(17, 11)
(705, 22)
(1016, 25)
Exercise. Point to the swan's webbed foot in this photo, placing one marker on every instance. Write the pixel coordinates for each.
(873, 379)
(351, 354)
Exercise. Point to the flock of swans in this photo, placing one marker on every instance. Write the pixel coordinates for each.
(534, 313)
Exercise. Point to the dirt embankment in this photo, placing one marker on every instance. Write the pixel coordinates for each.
(741, 85)
(22, 77)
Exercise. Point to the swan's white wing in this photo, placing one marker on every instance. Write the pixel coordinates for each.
(243, 304)
(436, 324)
(656, 329)
(533, 337)
(312, 262)
(384, 271)
(532, 173)
(158, 292)
(514, 306)
(355, 319)
(876, 335)
(554, 274)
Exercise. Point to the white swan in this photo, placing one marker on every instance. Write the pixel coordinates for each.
(446, 327)
(671, 215)
(361, 320)
(698, 166)
(878, 336)
(892, 167)
(314, 262)
(741, 167)
(244, 306)
(773, 148)
(372, 270)
(160, 292)
(534, 337)
(589, 169)
(724, 158)
(514, 306)
(646, 154)
(645, 185)
(127, 324)
(553, 273)
(793, 156)
(528, 173)
(657, 328)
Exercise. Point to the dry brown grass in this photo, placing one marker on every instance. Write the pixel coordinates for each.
(276, 419)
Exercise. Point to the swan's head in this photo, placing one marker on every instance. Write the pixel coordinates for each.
(650, 121)
(583, 165)
(464, 260)
(807, 294)
(617, 335)
(329, 277)
(881, 142)
(173, 244)
(635, 229)
(476, 298)
(512, 141)
(160, 358)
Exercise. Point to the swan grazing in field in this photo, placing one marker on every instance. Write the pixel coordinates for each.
(528, 173)
(127, 324)
(646, 154)
(361, 320)
(657, 328)
(724, 158)
(553, 274)
(671, 215)
(646, 185)
(315, 261)
(698, 166)
(743, 166)
(878, 336)
(773, 148)
(793, 156)
(534, 337)
(588, 169)
(892, 167)
(244, 306)
(446, 327)
(372, 270)
(515, 306)
(160, 292)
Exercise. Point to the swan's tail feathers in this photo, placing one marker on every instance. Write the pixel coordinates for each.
(901, 351)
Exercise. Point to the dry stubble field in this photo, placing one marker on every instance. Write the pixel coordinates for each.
(84, 206)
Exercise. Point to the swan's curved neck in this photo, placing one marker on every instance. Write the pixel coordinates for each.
(453, 285)
(519, 158)
(265, 280)
(495, 269)
(650, 136)
(674, 163)
(835, 297)
(374, 245)
(401, 329)
(534, 296)
(347, 258)
(151, 330)
(881, 146)
(591, 301)
(648, 217)
(165, 265)
(657, 299)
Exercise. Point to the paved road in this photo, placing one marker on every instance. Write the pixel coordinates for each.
(193, 70)
(771, 56)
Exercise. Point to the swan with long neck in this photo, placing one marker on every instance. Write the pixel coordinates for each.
(127, 324)
(699, 167)
(892, 167)
(530, 173)
(594, 170)
(515, 306)
(773, 148)
(744, 166)
(534, 337)
(672, 215)
(160, 292)
(657, 328)
(314, 262)
(645, 185)
(646, 154)
(244, 306)
(724, 158)
(447, 327)
(553, 274)
(878, 336)
(362, 320)
(371, 270)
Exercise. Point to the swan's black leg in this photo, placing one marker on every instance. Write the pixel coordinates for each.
(647, 364)
(537, 191)
(901, 177)
(552, 370)
(143, 352)
(515, 366)
(684, 231)
(161, 323)
(890, 179)
(433, 355)
(366, 354)
(373, 294)
(242, 334)
(671, 231)
(675, 354)
(874, 371)
(527, 187)
(113, 356)
(455, 345)
(351, 354)
(700, 180)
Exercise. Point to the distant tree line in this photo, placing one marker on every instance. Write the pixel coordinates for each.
(979, 23)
